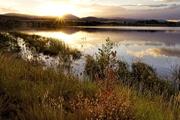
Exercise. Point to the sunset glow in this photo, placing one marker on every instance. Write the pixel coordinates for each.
(150, 9)
(56, 9)
(90, 59)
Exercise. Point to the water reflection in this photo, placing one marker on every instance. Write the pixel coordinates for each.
(155, 52)
(159, 47)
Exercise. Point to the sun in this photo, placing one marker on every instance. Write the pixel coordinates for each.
(53, 9)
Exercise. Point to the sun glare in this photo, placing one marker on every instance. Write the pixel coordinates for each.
(54, 9)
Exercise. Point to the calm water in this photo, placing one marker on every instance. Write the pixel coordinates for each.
(157, 46)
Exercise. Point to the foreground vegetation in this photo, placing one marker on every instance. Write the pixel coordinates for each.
(30, 92)
(138, 75)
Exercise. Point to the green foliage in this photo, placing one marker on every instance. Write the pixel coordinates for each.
(142, 76)
(143, 72)
(92, 67)
(147, 79)
(8, 43)
(123, 71)
(105, 59)
(28, 92)
(176, 78)
(32, 92)
(149, 111)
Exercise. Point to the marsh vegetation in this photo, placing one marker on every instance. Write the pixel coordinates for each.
(112, 89)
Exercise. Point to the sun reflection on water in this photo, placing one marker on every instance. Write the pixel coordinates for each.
(79, 40)
(69, 39)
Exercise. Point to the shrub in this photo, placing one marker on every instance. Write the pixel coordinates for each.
(147, 79)
(105, 105)
(123, 72)
(8, 43)
(105, 60)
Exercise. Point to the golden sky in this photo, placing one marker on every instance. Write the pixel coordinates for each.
(165, 9)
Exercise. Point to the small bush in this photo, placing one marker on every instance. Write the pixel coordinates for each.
(105, 105)
(8, 43)
(147, 79)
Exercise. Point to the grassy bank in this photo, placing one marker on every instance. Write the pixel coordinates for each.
(37, 44)
(47, 46)
(30, 92)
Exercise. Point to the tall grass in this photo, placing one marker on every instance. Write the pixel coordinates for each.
(30, 92)
(151, 94)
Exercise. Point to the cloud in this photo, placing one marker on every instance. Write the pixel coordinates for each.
(171, 0)
(161, 9)
(7, 10)
(171, 12)
(147, 6)
(168, 12)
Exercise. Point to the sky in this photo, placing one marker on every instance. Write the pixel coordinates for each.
(142, 9)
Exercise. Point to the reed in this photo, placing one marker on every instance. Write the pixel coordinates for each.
(28, 92)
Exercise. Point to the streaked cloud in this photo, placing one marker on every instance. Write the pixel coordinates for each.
(150, 9)
(167, 0)
(7, 10)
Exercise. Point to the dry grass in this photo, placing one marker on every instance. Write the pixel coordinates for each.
(30, 92)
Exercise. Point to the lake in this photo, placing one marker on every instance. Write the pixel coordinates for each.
(156, 46)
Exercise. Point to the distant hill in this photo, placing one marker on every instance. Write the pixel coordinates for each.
(26, 16)
(18, 15)
(70, 17)
(91, 18)
(17, 20)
